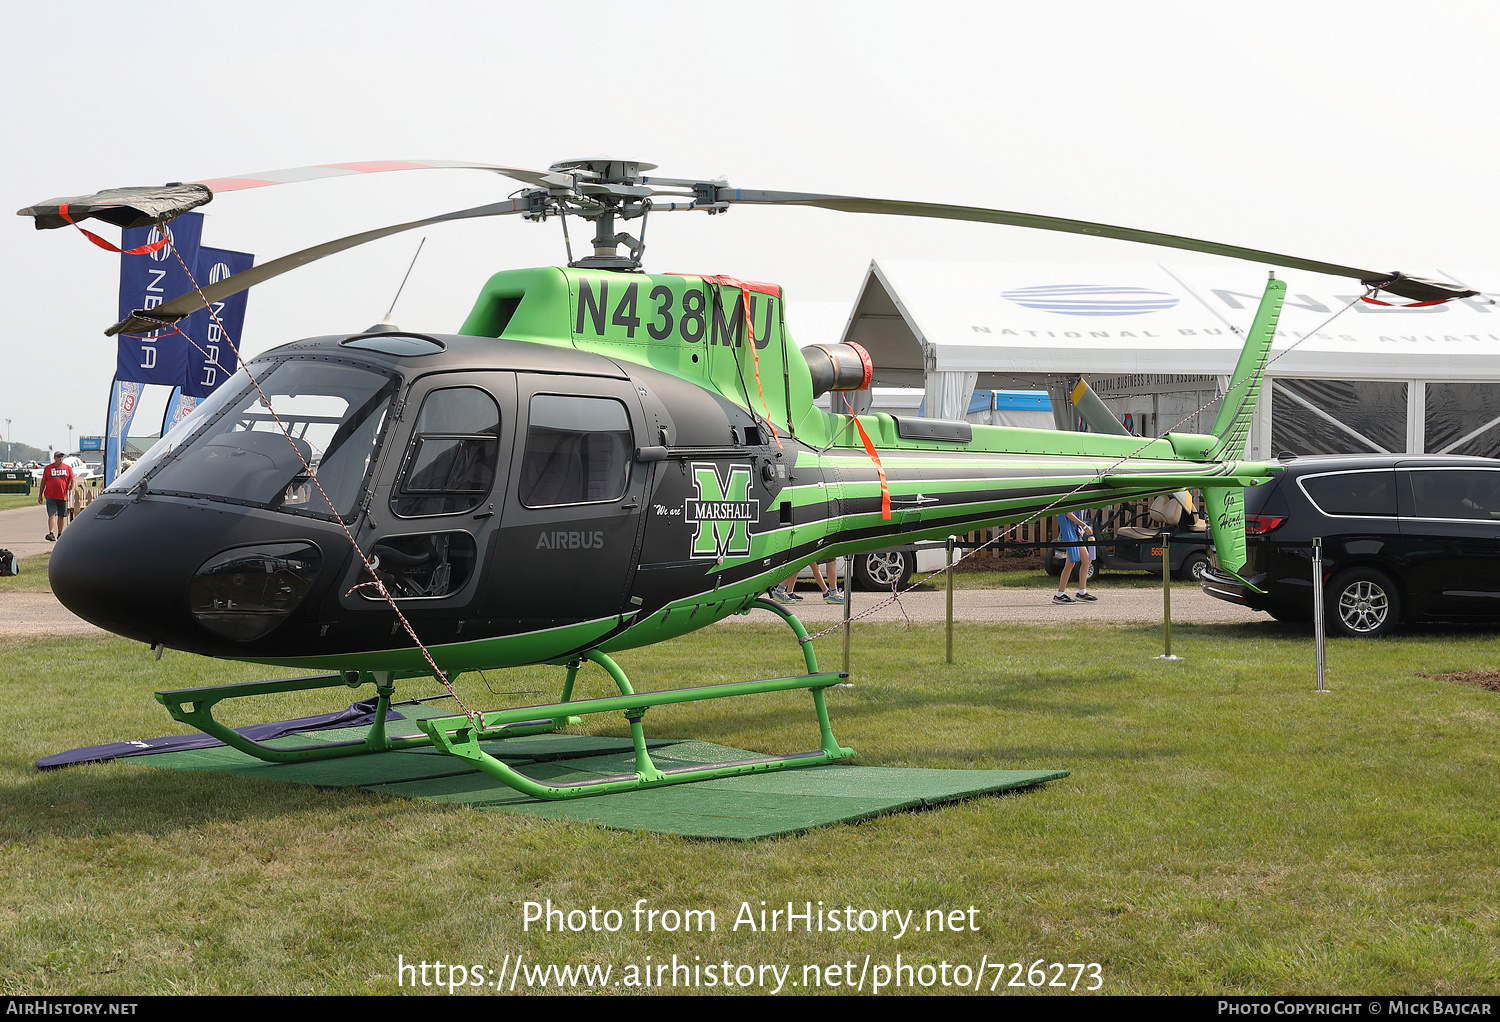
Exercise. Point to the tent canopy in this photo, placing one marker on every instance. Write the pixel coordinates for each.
(1020, 324)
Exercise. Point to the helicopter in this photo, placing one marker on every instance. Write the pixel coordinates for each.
(599, 459)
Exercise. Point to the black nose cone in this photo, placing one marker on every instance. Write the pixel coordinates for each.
(192, 575)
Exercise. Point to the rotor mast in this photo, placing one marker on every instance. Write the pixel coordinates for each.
(603, 190)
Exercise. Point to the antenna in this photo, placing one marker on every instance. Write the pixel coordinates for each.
(387, 324)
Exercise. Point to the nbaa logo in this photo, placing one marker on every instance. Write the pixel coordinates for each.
(164, 253)
(1091, 299)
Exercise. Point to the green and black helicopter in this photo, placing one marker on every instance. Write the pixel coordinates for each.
(599, 459)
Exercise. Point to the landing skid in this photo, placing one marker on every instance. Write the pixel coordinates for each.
(461, 737)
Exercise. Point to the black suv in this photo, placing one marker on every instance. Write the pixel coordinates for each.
(1405, 538)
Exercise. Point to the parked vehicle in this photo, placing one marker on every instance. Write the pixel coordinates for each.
(1119, 546)
(894, 567)
(1405, 538)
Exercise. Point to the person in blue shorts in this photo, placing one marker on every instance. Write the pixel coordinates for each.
(57, 480)
(1073, 529)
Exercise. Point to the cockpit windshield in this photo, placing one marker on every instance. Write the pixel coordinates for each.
(178, 435)
(332, 413)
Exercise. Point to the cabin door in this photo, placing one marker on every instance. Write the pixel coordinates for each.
(434, 514)
(571, 531)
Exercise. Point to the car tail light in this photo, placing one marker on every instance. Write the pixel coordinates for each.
(1259, 525)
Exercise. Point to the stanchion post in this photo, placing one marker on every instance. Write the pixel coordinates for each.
(1166, 597)
(951, 540)
(848, 601)
(1318, 621)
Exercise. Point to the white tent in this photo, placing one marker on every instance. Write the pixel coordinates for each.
(1345, 375)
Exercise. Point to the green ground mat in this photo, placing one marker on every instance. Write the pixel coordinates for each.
(736, 808)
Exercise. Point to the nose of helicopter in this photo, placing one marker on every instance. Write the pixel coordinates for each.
(190, 575)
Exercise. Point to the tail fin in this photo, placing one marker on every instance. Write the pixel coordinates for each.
(1226, 505)
(1232, 426)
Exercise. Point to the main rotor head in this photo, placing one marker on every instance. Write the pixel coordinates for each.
(603, 189)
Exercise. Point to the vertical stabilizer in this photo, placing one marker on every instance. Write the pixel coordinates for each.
(1226, 505)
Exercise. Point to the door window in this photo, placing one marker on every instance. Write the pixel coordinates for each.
(1456, 495)
(450, 465)
(578, 451)
(412, 567)
(1360, 494)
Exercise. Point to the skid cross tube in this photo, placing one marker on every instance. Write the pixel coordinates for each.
(195, 707)
(460, 737)
(457, 736)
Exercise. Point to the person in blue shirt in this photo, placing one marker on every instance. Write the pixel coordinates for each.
(1071, 528)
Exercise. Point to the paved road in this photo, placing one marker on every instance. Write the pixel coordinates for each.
(33, 614)
(1188, 606)
(23, 530)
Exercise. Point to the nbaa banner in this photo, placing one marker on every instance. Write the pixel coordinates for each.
(210, 358)
(209, 367)
(145, 282)
(193, 357)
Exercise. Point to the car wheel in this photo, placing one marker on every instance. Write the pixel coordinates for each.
(1052, 563)
(884, 569)
(1192, 566)
(1362, 604)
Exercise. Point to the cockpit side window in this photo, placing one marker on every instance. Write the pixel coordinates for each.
(578, 451)
(450, 465)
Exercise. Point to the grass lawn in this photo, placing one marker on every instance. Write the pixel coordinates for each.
(1224, 828)
(12, 500)
(32, 577)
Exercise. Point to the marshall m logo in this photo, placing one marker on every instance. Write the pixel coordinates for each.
(722, 511)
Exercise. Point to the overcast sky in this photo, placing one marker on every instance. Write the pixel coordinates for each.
(1356, 132)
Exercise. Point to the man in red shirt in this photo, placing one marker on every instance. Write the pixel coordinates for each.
(57, 480)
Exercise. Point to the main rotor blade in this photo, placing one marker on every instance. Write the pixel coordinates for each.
(152, 204)
(538, 178)
(1395, 282)
(167, 313)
